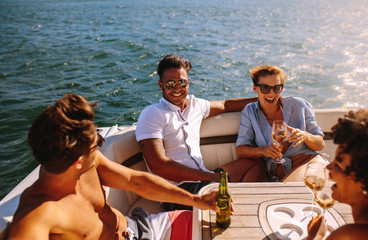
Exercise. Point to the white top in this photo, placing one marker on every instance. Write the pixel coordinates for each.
(179, 130)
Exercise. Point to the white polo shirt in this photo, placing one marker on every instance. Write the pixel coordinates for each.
(179, 130)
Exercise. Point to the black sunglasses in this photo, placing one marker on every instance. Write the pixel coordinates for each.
(100, 142)
(171, 83)
(267, 88)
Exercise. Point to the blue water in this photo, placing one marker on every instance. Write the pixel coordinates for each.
(109, 50)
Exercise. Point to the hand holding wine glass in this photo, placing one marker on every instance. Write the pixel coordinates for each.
(317, 227)
(279, 134)
(315, 179)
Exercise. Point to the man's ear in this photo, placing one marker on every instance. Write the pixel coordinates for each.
(254, 88)
(160, 84)
(78, 163)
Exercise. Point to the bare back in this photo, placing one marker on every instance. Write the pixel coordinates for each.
(355, 231)
(47, 211)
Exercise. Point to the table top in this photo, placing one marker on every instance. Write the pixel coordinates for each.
(252, 220)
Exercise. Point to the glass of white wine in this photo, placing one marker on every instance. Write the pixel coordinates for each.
(278, 135)
(324, 199)
(315, 180)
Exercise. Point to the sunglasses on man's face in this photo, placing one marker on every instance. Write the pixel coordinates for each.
(171, 83)
(100, 142)
(267, 88)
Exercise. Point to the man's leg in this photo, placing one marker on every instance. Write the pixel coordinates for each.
(139, 225)
(171, 225)
(245, 170)
(181, 224)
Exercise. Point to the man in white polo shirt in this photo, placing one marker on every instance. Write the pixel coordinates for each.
(168, 132)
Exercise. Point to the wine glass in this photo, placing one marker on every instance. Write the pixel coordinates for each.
(315, 180)
(324, 199)
(278, 135)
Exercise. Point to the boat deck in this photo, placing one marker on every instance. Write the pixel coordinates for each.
(266, 211)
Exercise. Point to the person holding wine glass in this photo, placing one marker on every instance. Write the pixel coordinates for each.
(255, 132)
(279, 134)
(349, 170)
(314, 180)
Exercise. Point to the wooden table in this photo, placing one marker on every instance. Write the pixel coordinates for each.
(250, 201)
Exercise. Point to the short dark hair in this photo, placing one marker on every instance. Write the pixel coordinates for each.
(172, 61)
(351, 133)
(63, 132)
(261, 71)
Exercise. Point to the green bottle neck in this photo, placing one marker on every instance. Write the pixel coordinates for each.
(223, 183)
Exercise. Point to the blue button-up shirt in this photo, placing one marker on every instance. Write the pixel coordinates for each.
(254, 127)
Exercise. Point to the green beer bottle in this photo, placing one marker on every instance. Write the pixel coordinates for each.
(223, 202)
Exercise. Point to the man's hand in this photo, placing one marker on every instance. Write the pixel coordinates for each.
(209, 202)
(298, 136)
(317, 228)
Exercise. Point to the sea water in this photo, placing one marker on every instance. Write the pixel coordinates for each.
(108, 51)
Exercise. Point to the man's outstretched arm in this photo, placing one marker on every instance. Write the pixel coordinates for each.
(150, 186)
(154, 154)
(229, 105)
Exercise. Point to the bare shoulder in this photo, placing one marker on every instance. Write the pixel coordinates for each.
(349, 232)
(33, 217)
(34, 203)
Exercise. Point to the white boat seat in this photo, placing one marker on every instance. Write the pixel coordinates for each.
(218, 136)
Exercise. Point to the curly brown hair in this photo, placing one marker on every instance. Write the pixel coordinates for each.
(63, 132)
(351, 133)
